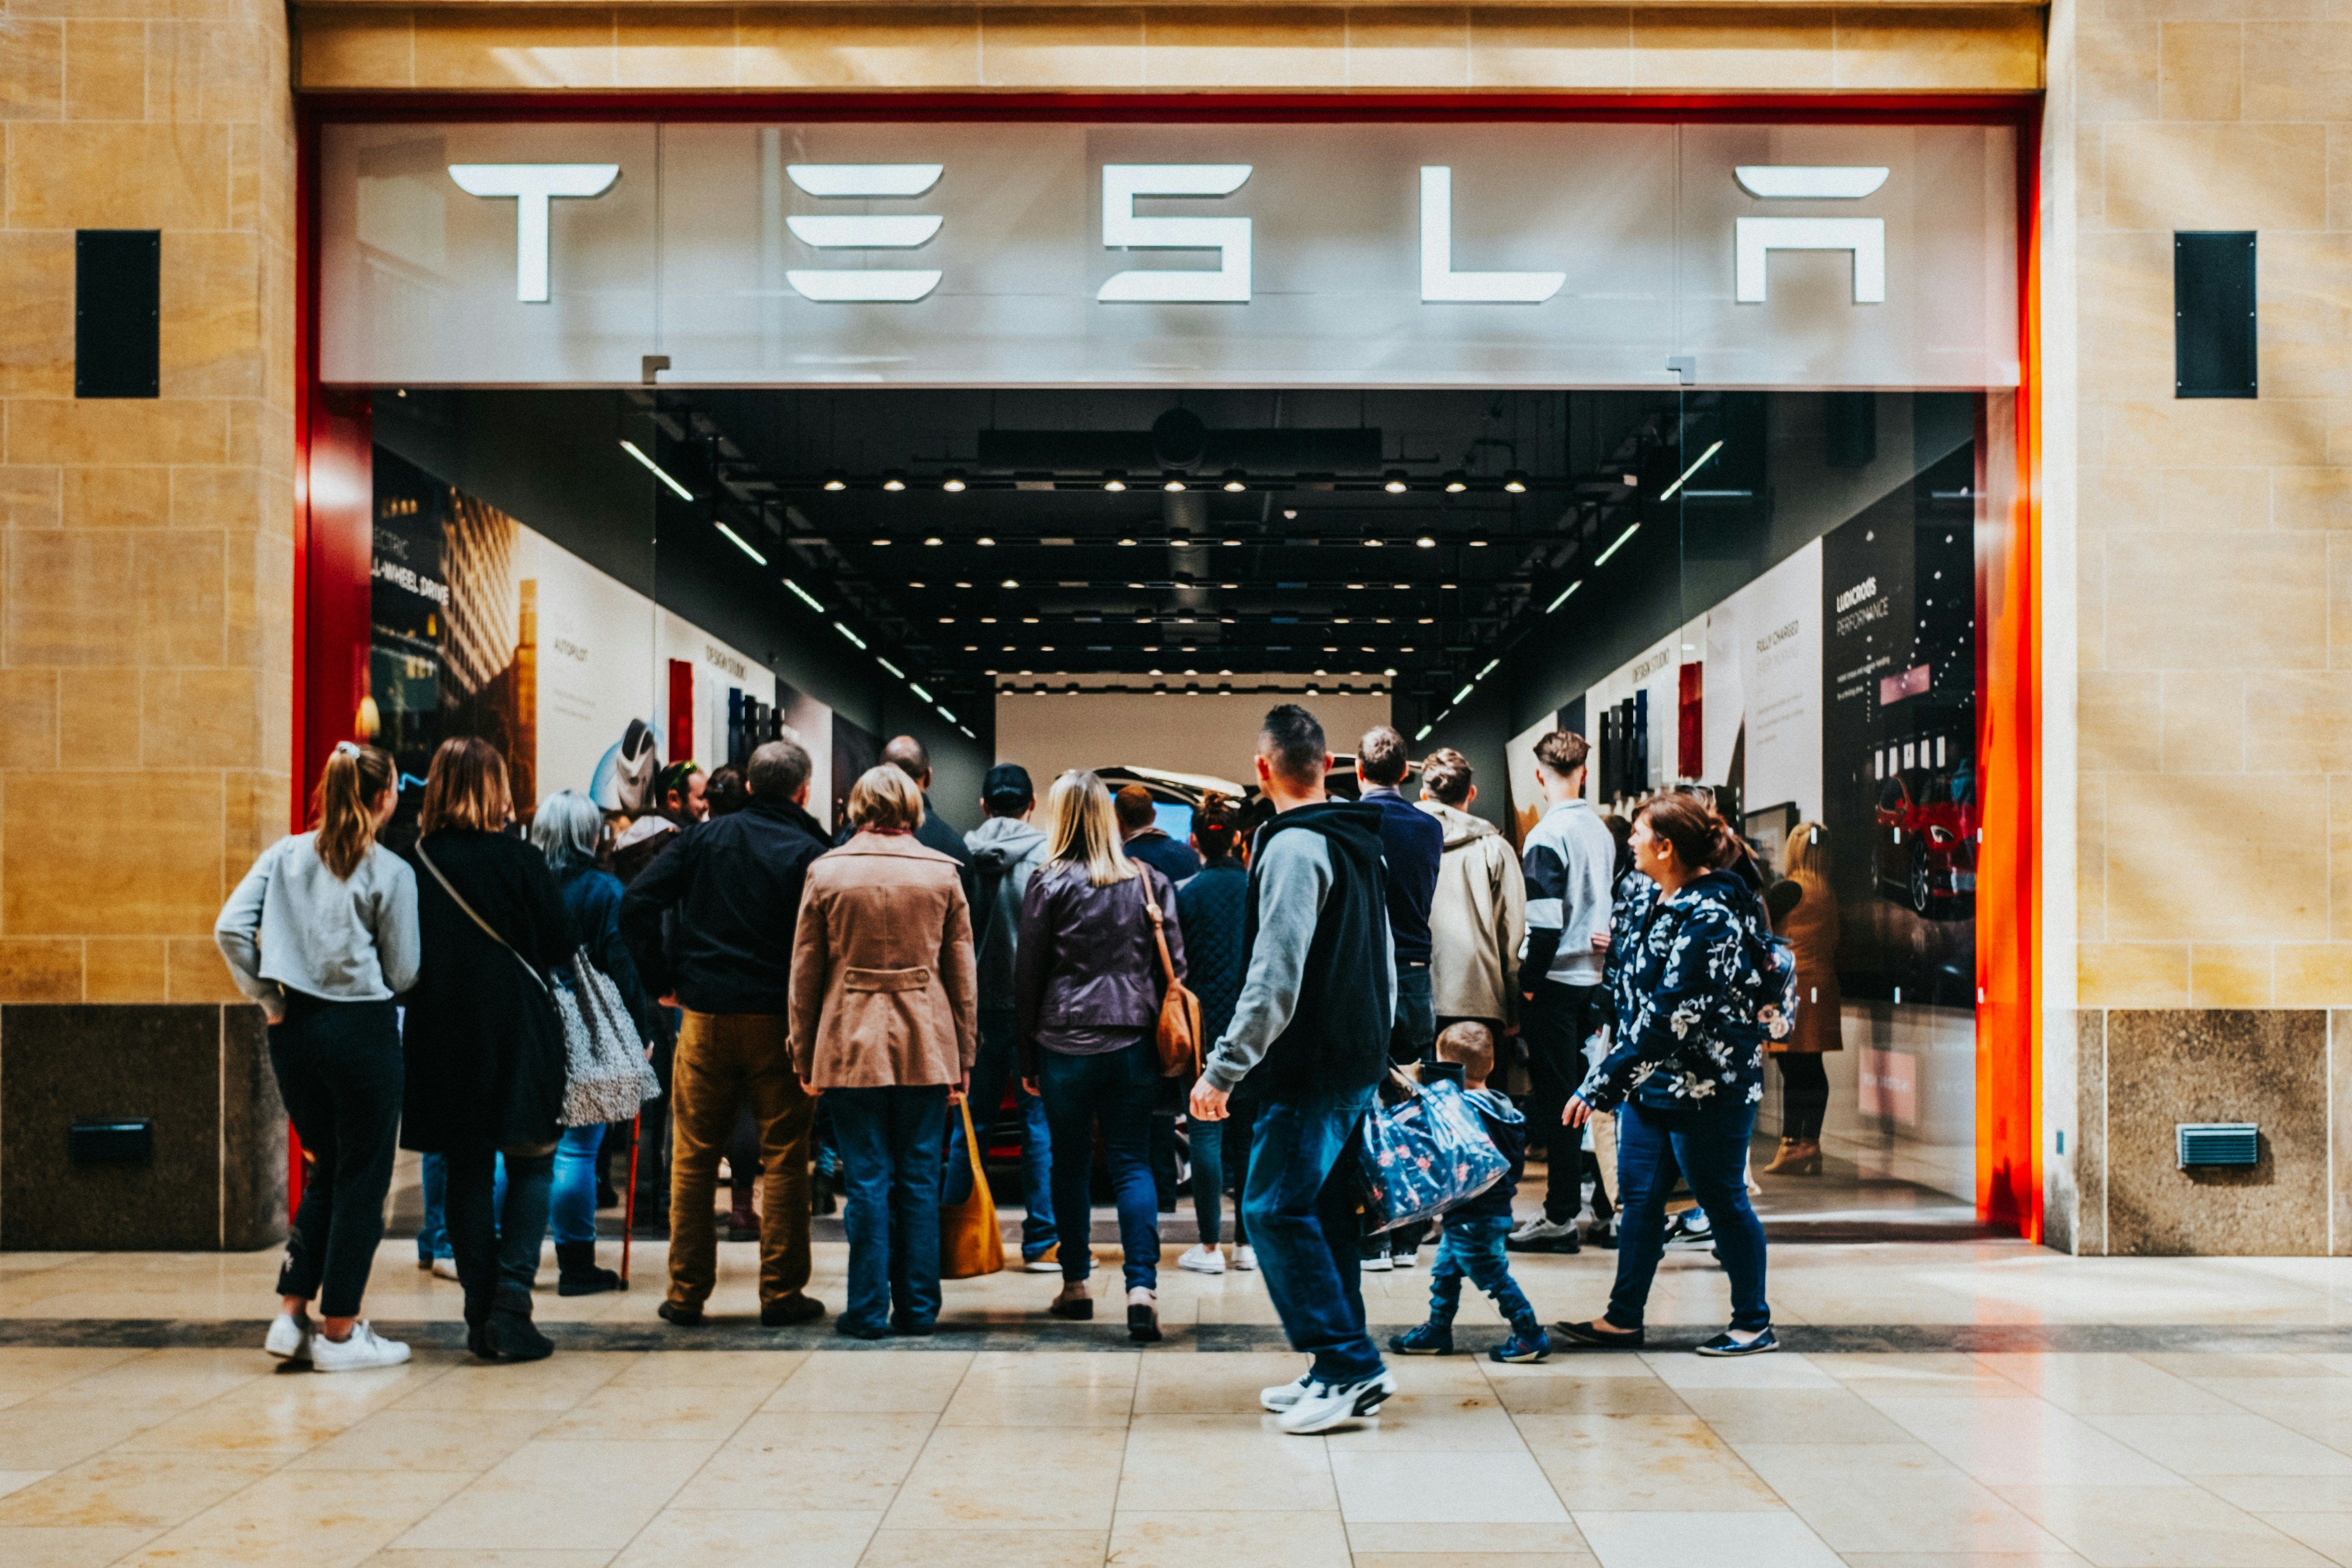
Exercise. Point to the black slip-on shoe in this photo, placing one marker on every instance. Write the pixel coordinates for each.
(1723, 1344)
(785, 1311)
(1584, 1336)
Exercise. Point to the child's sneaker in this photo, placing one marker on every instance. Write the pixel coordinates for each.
(1427, 1339)
(1528, 1343)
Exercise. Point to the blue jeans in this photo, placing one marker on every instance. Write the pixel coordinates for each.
(891, 1142)
(1210, 1143)
(1413, 1034)
(433, 1234)
(1471, 1247)
(571, 1205)
(1301, 1209)
(1710, 1147)
(1117, 1088)
(990, 1074)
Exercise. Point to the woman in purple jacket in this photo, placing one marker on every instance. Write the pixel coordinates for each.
(1086, 990)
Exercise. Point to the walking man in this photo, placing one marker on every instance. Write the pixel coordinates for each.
(1569, 861)
(735, 884)
(1308, 1044)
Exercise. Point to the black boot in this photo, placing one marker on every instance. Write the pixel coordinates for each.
(577, 1275)
(511, 1334)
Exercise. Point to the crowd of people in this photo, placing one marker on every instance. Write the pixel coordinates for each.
(818, 1004)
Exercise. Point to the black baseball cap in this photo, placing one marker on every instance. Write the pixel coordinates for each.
(1007, 787)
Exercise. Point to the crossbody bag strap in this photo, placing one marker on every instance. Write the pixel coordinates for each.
(488, 929)
(1159, 926)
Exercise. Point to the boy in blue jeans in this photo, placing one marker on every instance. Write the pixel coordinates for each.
(1472, 1243)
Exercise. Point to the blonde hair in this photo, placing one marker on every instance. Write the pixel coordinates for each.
(1472, 1044)
(465, 787)
(1083, 828)
(343, 805)
(885, 798)
(1805, 853)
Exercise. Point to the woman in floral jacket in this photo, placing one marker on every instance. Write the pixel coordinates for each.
(1695, 998)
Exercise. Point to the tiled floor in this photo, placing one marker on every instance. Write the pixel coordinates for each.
(2234, 1452)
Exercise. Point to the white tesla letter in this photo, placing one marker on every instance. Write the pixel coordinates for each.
(1754, 238)
(1440, 282)
(877, 231)
(532, 186)
(1865, 237)
(1229, 237)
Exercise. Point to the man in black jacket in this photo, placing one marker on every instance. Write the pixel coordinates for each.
(910, 757)
(1308, 1044)
(735, 884)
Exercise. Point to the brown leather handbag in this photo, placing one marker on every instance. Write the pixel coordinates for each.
(971, 1244)
(1179, 1032)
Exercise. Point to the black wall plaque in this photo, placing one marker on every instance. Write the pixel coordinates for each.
(118, 312)
(2213, 313)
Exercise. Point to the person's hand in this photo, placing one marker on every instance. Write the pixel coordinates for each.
(1029, 1086)
(1576, 1112)
(959, 1090)
(1600, 941)
(811, 1090)
(667, 999)
(1527, 996)
(1208, 1102)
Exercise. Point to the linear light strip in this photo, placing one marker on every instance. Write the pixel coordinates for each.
(745, 545)
(659, 472)
(804, 595)
(1564, 592)
(1668, 493)
(1602, 558)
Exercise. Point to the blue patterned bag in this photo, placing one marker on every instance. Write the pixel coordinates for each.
(1422, 1153)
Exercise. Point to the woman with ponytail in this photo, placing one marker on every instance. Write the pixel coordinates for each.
(322, 933)
(1697, 1002)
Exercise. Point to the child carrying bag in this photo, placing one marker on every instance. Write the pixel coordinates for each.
(1420, 1151)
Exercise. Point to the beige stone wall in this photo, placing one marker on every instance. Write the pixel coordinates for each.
(1763, 47)
(146, 595)
(2215, 537)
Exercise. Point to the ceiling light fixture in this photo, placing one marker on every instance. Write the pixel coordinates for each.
(836, 480)
(855, 640)
(933, 540)
(894, 481)
(1393, 482)
(1115, 481)
(1425, 542)
(889, 666)
(1127, 542)
(1290, 514)
(1373, 541)
(1010, 583)
(953, 482)
(1234, 484)
(1464, 692)
(806, 596)
(1477, 543)
(1174, 484)
(1456, 482)
(882, 544)
(920, 692)
(1668, 493)
(1516, 482)
(1564, 592)
(659, 472)
(743, 544)
(1618, 543)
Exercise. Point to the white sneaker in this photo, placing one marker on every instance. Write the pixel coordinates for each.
(1325, 1405)
(445, 1267)
(1202, 1261)
(365, 1348)
(1283, 1395)
(1540, 1233)
(1379, 1262)
(1406, 1260)
(290, 1337)
(1245, 1259)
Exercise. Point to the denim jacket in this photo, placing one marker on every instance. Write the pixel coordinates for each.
(1695, 1004)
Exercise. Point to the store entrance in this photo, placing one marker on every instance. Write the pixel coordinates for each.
(1766, 597)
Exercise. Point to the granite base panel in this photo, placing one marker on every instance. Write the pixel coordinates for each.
(199, 1072)
(2142, 1071)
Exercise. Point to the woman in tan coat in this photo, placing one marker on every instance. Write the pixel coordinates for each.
(885, 1026)
(1805, 911)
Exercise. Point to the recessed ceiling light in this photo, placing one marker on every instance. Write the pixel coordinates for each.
(894, 480)
(1129, 543)
(953, 482)
(1234, 484)
(1290, 513)
(1516, 482)
(1394, 484)
(1172, 484)
(1114, 481)
(1425, 542)
(1456, 482)
(983, 541)
(836, 480)
(933, 540)
(1373, 541)
(1011, 583)
(882, 544)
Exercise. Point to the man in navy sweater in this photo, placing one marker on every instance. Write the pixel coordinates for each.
(1412, 843)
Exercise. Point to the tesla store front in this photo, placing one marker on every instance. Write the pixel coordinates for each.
(644, 435)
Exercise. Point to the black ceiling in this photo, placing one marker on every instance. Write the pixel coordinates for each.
(1396, 540)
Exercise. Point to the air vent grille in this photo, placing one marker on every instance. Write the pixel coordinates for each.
(2218, 1143)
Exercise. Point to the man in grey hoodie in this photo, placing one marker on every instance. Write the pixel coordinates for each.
(1006, 851)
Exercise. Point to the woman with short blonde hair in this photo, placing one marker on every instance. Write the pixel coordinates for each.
(884, 1025)
(1086, 989)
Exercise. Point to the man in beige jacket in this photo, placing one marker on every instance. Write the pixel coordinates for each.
(1480, 914)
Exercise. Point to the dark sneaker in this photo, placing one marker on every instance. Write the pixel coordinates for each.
(786, 1311)
(1526, 1344)
(1426, 1339)
(1723, 1344)
(1584, 1336)
(679, 1316)
(856, 1329)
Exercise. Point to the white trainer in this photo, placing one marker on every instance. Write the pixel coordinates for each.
(1325, 1405)
(365, 1348)
(445, 1267)
(290, 1337)
(1283, 1395)
(1246, 1258)
(1202, 1261)
(1406, 1257)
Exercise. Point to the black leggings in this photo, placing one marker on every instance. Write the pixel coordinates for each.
(1804, 1095)
(338, 1072)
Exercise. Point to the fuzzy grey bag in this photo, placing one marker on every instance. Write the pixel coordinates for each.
(606, 1077)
